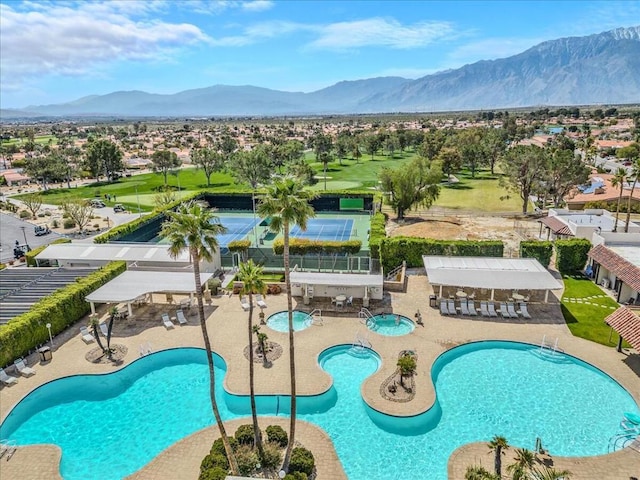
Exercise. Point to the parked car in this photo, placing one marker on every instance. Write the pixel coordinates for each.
(119, 208)
(97, 203)
(41, 230)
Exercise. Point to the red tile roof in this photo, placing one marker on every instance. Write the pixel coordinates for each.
(556, 225)
(621, 268)
(627, 324)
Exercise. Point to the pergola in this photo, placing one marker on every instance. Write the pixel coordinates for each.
(491, 273)
(133, 284)
(627, 324)
(324, 284)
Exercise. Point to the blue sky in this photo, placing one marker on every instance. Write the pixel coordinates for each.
(54, 52)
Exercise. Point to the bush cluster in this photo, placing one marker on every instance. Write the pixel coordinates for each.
(571, 255)
(244, 434)
(25, 214)
(377, 233)
(239, 245)
(276, 434)
(302, 461)
(68, 223)
(540, 250)
(317, 247)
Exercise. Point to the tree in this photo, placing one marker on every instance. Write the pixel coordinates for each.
(407, 365)
(632, 153)
(104, 157)
(194, 227)
(210, 160)
(371, 144)
(525, 459)
(46, 168)
(79, 210)
(164, 161)
(548, 473)
(494, 145)
(322, 146)
(472, 149)
(564, 171)
(477, 472)
(450, 160)
(431, 143)
(287, 204)
(413, 184)
(113, 313)
(249, 273)
(498, 445)
(33, 202)
(618, 180)
(164, 197)
(524, 166)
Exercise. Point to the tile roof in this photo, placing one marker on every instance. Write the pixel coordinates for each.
(556, 225)
(627, 324)
(621, 267)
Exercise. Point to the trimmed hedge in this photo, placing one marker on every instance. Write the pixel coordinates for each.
(377, 233)
(395, 250)
(318, 247)
(239, 245)
(62, 308)
(31, 255)
(540, 250)
(571, 255)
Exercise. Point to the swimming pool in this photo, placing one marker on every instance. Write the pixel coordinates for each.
(390, 325)
(280, 321)
(109, 426)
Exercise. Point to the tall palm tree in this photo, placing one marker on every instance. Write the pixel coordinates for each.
(618, 180)
(525, 459)
(194, 227)
(287, 204)
(249, 273)
(498, 445)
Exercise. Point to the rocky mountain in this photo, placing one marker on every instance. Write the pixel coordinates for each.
(602, 68)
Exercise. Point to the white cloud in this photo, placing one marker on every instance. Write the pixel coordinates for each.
(209, 7)
(74, 38)
(490, 49)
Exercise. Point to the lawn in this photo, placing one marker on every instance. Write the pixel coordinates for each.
(585, 306)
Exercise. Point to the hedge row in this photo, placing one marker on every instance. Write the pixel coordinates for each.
(62, 308)
(31, 255)
(377, 233)
(613, 205)
(571, 255)
(411, 249)
(540, 250)
(318, 247)
(239, 245)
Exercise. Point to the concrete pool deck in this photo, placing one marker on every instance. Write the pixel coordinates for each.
(228, 332)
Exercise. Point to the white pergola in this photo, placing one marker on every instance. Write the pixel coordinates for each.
(133, 284)
(490, 273)
(324, 284)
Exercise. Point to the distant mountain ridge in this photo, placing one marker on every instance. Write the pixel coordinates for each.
(601, 68)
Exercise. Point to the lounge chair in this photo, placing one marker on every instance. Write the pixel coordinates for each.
(7, 379)
(104, 329)
(86, 335)
(524, 311)
(350, 301)
(492, 309)
(245, 304)
(511, 309)
(472, 308)
(260, 301)
(464, 309)
(167, 321)
(181, 318)
(443, 307)
(23, 369)
(503, 310)
(451, 306)
(484, 309)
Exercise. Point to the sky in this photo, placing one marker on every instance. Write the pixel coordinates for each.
(59, 51)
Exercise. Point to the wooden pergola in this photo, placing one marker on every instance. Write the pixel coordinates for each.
(627, 324)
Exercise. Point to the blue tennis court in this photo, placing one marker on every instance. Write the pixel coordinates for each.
(237, 229)
(325, 229)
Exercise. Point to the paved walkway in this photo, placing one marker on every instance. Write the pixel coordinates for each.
(227, 327)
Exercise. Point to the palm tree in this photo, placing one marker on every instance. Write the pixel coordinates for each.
(249, 273)
(618, 180)
(635, 172)
(477, 472)
(286, 203)
(548, 473)
(498, 445)
(194, 227)
(525, 459)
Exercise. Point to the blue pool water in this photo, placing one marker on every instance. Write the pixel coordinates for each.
(109, 426)
(280, 321)
(390, 325)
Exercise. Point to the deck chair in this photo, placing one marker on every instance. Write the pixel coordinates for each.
(245, 304)
(511, 309)
(350, 301)
(23, 369)
(167, 321)
(484, 309)
(464, 309)
(260, 301)
(524, 311)
(7, 379)
(86, 335)
(104, 329)
(472, 308)
(492, 309)
(451, 306)
(503, 310)
(443, 307)
(181, 318)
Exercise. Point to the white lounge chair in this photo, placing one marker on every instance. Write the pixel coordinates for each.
(472, 308)
(503, 310)
(524, 311)
(492, 309)
(260, 301)
(464, 309)
(104, 329)
(451, 306)
(245, 304)
(167, 321)
(511, 309)
(181, 318)
(7, 379)
(443, 307)
(86, 335)
(483, 309)
(23, 369)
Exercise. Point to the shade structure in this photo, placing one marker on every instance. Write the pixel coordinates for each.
(627, 324)
(338, 279)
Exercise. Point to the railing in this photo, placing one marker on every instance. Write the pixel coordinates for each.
(392, 274)
(311, 319)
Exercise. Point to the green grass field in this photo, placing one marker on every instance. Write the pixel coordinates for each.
(586, 320)
(482, 193)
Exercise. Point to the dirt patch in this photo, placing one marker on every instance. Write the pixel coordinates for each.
(118, 352)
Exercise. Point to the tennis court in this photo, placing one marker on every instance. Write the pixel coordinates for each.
(237, 229)
(325, 229)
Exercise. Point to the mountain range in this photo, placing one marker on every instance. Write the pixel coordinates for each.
(596, 69)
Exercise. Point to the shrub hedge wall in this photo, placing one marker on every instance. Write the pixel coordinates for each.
(239, 245)
(571, 255)
(62, 308)
(540, 250)
(31, 255)
(317, 247)
(377, 233)
(394, 250)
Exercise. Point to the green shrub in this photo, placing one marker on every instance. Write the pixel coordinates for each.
(302, 461)
(25, 214)
(218, 446)
(276, 434)
(214, 460)
(247, 459)
(239, 245)
(296, 476)
(31, 255)
(62, 308)
(68, 223)
(540, 250)
(55, 223)
(244, 434)
(571, 255)
(215, 473)
(377, 233)
(301, 246)
(272, 455)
